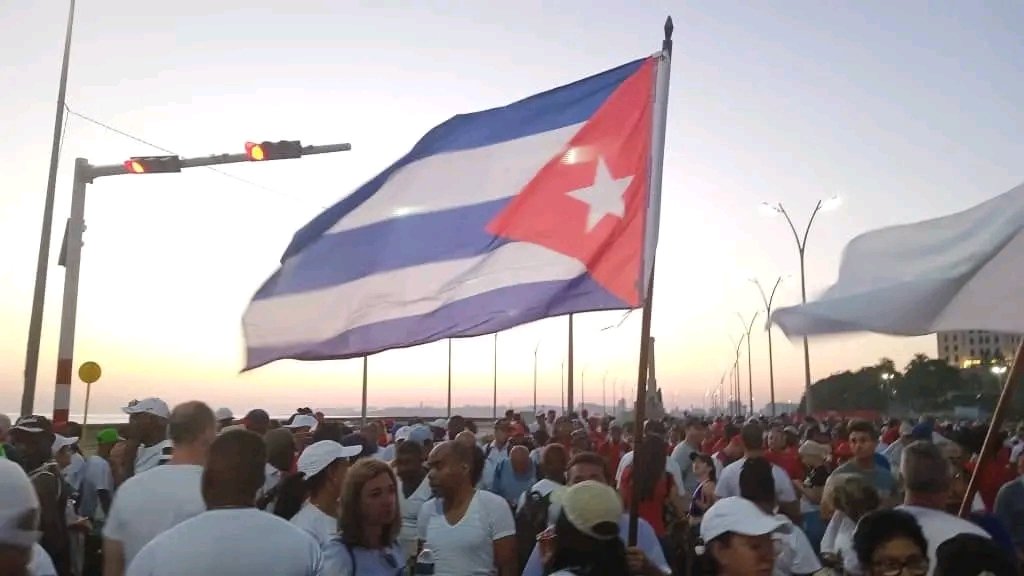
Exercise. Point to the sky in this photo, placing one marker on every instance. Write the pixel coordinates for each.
(906, 110)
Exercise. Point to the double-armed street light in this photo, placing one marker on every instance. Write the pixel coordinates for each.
(801, 245)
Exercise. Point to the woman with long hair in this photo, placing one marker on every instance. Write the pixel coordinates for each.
(367, 542)
(310, 497)
(584, 541)
(658, 492)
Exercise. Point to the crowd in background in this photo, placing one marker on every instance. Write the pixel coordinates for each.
(192, 490)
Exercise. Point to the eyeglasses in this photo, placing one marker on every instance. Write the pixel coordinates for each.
(910, 567)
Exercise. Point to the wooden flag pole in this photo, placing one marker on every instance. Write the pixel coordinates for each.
(654, 193)
(996, 423)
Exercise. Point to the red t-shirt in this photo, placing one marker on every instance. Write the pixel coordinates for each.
(612, 454)
(653, 509)
(788, 461)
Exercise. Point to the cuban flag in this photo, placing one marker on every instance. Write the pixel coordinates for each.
(540, 208)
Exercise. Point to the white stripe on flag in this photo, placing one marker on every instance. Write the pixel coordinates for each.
(318, 315)
(484, 174)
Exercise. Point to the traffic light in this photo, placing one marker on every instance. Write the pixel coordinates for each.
(152, 164)
(281, 150)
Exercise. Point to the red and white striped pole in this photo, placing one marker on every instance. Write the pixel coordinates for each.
(72, 266)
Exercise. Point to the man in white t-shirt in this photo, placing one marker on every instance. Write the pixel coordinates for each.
(495, 453)
(927, 484)
(151, 502)
(470, 532)
(752, 436)
(147, 446)
(232, 537)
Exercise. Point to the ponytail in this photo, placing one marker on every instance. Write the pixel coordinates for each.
(290, 493)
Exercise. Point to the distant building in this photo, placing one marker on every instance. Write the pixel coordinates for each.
(969, 348)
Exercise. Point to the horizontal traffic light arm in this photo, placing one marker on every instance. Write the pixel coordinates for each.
(116, 169)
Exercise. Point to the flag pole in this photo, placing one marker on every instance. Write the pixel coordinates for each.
(658, 125)
(568, 388)
(996, 424)
(365, 386)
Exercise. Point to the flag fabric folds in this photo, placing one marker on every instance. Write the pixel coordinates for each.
(492, 220)
(959, 272)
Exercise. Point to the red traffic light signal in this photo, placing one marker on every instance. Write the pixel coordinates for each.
(152, 164)
(282, 150)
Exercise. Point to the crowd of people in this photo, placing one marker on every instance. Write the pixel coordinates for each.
(196, 491)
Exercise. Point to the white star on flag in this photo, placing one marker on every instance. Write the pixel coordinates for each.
(604, 196)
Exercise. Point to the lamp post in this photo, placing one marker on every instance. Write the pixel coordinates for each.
(750, 366)
(449, 377)
(768, 314)
(801, 246)
(535, 349)
(739, 376)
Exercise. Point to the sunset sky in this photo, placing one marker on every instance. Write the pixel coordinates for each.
(906, 110)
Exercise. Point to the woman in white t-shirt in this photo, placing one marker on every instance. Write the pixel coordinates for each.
(321, 471)
(368, 542)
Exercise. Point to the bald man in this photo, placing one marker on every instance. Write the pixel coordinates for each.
(515, 475)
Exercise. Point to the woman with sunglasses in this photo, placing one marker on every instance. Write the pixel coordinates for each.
(367, 544)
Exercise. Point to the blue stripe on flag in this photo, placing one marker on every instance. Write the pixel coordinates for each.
(473, 316)
(551, 110)
(391, 245)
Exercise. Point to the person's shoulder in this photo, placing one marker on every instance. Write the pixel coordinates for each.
(490, 499)
(336, 557)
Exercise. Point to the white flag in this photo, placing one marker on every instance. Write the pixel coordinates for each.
(959, 272)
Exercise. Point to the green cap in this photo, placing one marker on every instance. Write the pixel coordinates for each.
(107, 436)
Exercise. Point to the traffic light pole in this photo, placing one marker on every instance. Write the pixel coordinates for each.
(85, 174)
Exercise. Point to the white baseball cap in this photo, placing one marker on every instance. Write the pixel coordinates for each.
(19, 507)
(154, 406)
(62, 442)
(441, 423)
(739, 516)
(402, 434)
(223, 414)
(320, 455)
(594, 509)
(303, 421)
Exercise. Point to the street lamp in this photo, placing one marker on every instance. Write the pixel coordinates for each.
(750, 367)
(768, 314)
(535, 349)
(739, 378)
(801, 246)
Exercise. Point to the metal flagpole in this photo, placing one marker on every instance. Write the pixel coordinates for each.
(449, 377)
(35, 325)
(366, 381)
(654, 195)
(569, 374)
(494, 409)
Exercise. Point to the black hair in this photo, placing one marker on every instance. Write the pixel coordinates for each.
(756, 481)
(327, 431)
(969, 554)
(881, 526)
(651, 473)
(752, 435)
(584, 554)
(708, 460)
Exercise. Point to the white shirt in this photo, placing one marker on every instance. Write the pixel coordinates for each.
(494, 457)
(151, 502)
(338, 559)
(41, 564)
(646, 541)
(838, 540)
(466, 548)
(271, 477)
(230, 542)
(73, 473)
(96, 476)
(385, 454)
(149, 457)
(410, 513)
(317, 523)
(729, 482)
(671, 466)
(939, 526)
(795, 554)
